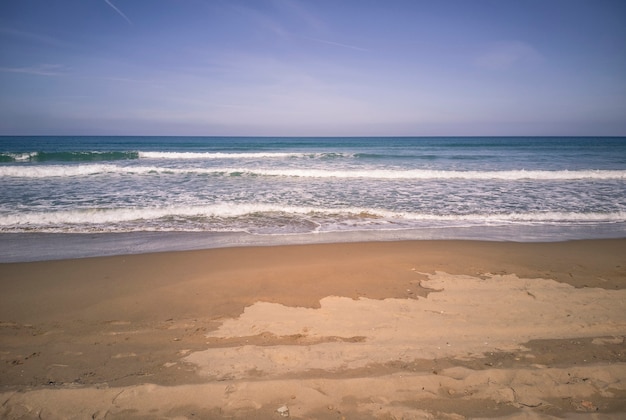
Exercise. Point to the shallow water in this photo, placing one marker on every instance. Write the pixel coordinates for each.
(268, 190)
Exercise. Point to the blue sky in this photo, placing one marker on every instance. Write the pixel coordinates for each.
(313, 67)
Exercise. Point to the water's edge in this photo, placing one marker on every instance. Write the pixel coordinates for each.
(27, 247)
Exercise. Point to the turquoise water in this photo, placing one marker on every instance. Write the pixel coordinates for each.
(272, 187)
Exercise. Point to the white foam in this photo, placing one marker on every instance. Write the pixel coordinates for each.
(425, 174)
(21, 157)
(531, 217)
(242, 155)
(329, 218)
(216, 155)
(102, 216)
(43, 171)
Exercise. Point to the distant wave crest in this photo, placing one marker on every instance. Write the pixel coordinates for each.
(82, 156)
(95, 156)
(241, 155)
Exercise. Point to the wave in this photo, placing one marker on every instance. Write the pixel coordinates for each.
(43, 171)
(82, 156)
(52, 171)
(242, 155)
(96, 156)
(229, 155)
(531, 217)
(95, 216)
(216, 155)
(235, 216)
(310, 155)
(428, 174)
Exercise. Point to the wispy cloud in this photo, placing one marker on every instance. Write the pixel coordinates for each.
(124, 80)
(119, 12)
(34, 37)
(259, 19)
(283, 18)
(40, 70)
(299, 13)
(505, 55)
(336, 44)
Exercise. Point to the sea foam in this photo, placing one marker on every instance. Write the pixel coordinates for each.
(43, 171)
(198, 218)
(216, 155)
(571, 187)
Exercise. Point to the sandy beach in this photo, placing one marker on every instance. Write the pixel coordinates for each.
(378, 330)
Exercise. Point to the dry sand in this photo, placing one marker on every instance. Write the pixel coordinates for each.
(431, 329)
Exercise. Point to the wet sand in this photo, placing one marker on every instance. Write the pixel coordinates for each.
(412, 329)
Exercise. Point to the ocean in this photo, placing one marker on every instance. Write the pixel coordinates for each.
(76, 196)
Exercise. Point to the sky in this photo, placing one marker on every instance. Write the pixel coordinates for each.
(313, 67)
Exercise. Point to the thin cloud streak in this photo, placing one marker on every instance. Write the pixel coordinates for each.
(36, 38)
(337, 44)
(301, 14)
(43, 70)
(118, 11)
(505, 55)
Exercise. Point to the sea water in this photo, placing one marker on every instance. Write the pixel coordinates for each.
(75, 196)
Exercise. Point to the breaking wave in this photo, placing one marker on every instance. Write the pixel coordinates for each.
(239, 217)
(43, 171)
(67, 156)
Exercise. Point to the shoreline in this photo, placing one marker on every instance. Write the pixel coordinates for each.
(439, 328)
(44, 246)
